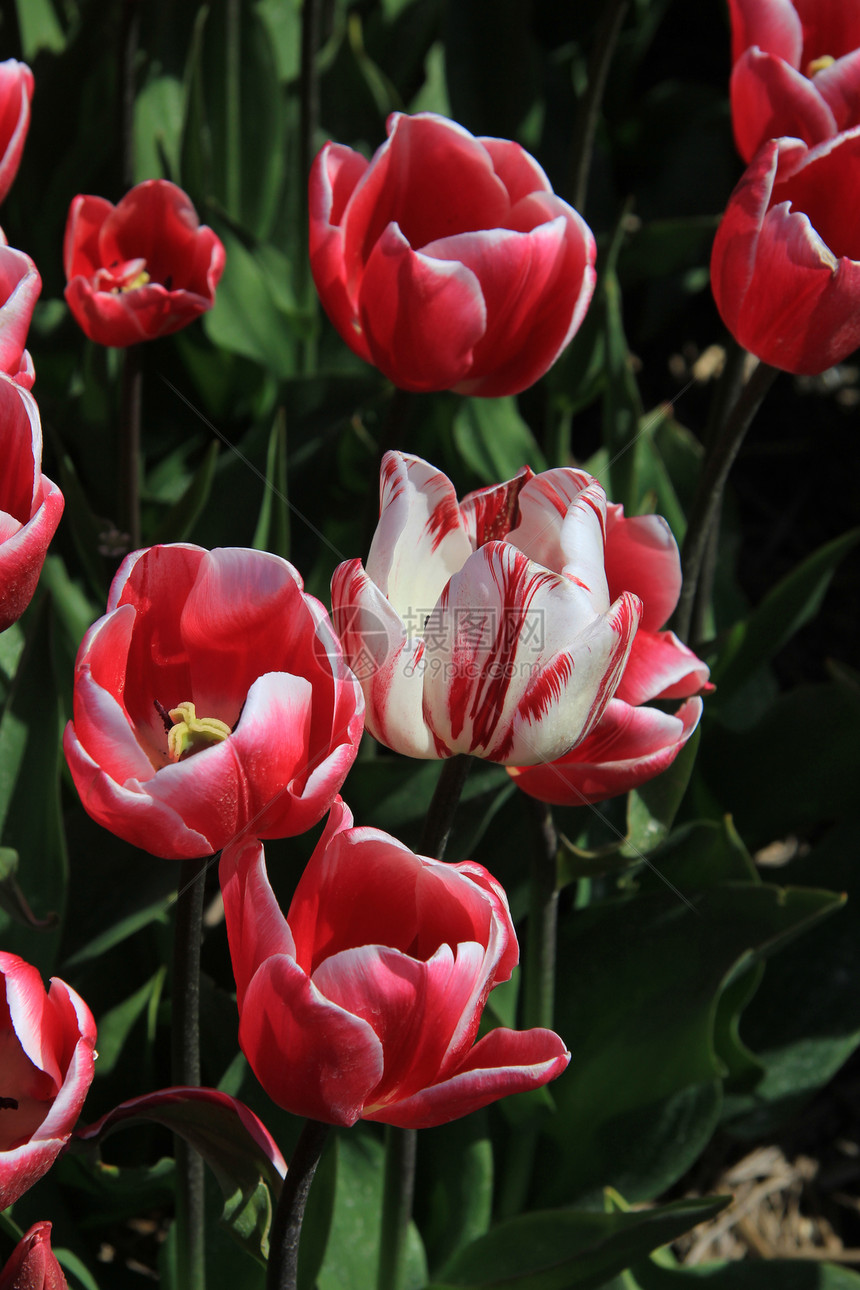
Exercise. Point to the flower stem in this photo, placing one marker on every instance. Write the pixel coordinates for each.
(719, 456)
(187, 932)
(129, 445)
(589, 105)
(440, 816)
(538, 987)
(282, 1273)
(397, 1189)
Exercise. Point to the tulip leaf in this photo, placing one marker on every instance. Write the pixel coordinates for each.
(273, 525)
(622, 404)
(178, 524)
(247, 318)
(70, 1262)
(493, 439)
(651, 808)
(566, 1249)
(39, 28)
(793, 602)
(643, 1096)
(116, 1024)
(158, 114)
(233, 1142)
(458, 1159)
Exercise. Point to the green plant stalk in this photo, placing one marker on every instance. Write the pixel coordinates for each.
(589, 105)
(443, 806)
(397, 1191)
(719, 457)
(234, 109)
(282, 1272)
(131, 389)
(538, 1005)
(187, 934)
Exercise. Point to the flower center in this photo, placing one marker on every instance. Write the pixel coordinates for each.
(190, 734)
(122, 276)
(819, 64)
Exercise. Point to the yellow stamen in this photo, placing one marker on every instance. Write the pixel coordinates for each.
(819, 64)
(191, 734)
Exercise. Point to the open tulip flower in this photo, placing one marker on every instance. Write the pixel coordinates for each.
(631, 743)
(33, 1264)
(30, 505)
(484, 627)
(143, 268)
(20, 285)
(785, 265)
(365, 1000)
(211, 697)
(47, 1052)
(796, 70)
(16, 91)
(446, 260)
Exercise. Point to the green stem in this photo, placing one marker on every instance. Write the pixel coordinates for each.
(446, 798)
(187, 934)
(397, 1191)
(283, 1269)
(233, 114)
(538, 988)
(131, 387)
(707, 501)
(589, 105)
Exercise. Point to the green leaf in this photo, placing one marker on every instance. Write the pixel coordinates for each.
(273, 525)
(622, 404)
(178, 524)
(651, 808)
(39, 27)
(119, 932)
(567, 1249)
(641, 1098)
(457, 1159)
(158, 115)
(247, 318)
(792, 603)
(772, 1274)
(79, 1271)
(493, 439)
(116, 1024)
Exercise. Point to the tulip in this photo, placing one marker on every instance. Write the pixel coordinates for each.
(796, 70)
(631, 744)
(30, 505)
(141, 269)
(446, 260)
(33, 1265)
(210, 698)
(785, 266)
(487, 627)
(365, 1001)
(16, 91)
(20, 285)
(47, 1050)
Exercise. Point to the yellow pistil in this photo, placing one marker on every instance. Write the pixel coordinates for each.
(139, 280)
(819, 64)
(191, 734)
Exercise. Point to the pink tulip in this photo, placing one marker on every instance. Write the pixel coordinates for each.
(785, 267)
(446, 260)
(796, 70)
(20, 285)
(365, 1001)
(631, 744)
(212, 697)
(33, 1265)
(47, 1041)
(30, 505)
(487, 627)
(16, 91)
(141, 269)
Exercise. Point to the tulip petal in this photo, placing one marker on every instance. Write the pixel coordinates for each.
(502, 1063)
(335, 1059)
(420, 539)
(516, 168)
(334, 175)
(519, 662)
(628, 747)
(256, 927)
(388, 663)
(642, 556)
(661, 667)
(839, 86)
(16, 92)
(422, 316)
(770, 98)
(774, 25)
(536, 285)
(20, 285)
